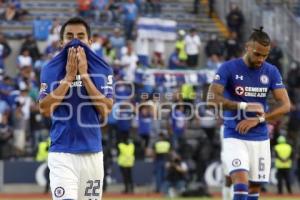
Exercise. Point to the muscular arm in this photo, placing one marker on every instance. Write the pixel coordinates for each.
(102, 104)
(51, 101)
(215, 97)
(282, 98)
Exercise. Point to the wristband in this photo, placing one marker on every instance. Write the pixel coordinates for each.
(242, 105)
(261, 119)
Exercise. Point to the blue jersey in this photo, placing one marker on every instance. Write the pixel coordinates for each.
(178, 122)
(145, 124)
(75, 122)
(243, 84)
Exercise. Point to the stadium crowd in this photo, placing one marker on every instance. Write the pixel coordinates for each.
(22, 127)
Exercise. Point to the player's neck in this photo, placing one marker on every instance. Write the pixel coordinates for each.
(248, 63)
(245, 59)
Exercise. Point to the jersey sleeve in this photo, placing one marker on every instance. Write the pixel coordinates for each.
(45, 87)
(276, 81)
(106, 85)
(222, 75)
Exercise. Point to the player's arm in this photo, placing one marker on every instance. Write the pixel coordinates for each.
(48, 104)
(102, 104)
(281, 97)
(215, 98)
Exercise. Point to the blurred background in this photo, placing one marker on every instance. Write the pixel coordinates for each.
(162, 52)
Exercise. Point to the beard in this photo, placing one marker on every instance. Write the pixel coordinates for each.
(253, 65)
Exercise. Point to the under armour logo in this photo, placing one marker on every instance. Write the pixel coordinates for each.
(239, 77)
(261, 176)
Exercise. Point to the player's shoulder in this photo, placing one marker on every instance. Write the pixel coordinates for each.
(53, 68)
(230, 65)
(270, 67)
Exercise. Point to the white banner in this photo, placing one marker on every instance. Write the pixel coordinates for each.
(156, 28)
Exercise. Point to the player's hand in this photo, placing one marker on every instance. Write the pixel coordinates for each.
(245, 125)
(82, 61)
(255, 107)
(72, 66)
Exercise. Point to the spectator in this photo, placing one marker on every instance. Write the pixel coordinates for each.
(283, 164)
(176, 171)
(129, 62)
(142, 47)
(99, 8)
(196, 5)
(235, 20)
(174, 61)
(21, 12)
(21, 119)
(109, 52)
(188, 96)
(145, 121)
(108, 160)
(117, 41)
(178, 126)
(126, 160)
(293, 80)
(24, 59)
(211, 9)
(193, 43)
(53, 37)
(180, 44)
(10, 13)
(2, 8)
(5, 50)
(161, 148)
(52, 49)
(56, 26)
(112, 10)
(30, 44)
(84, 8)
(5, 130)
(97, 44)
(214, 62)
(155, 7)
(6, 88)
(42, 156)
(275, 56)
(232, 47)
(39, 64)
(159, 53)
(27, 77)
(130, 11)
(111, 128)
(214, 47)
(124, 118)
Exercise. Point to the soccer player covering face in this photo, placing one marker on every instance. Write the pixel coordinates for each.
(240, 90)
(76, 102)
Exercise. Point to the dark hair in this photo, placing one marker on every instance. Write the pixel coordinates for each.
(75, 20)
(258, 35)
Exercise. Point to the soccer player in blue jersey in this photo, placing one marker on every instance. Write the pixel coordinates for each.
(76, 91)
(240, 88)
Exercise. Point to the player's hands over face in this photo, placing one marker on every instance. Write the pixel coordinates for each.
(245, 125)
(255, 107)
(82, 61)
(72, 65)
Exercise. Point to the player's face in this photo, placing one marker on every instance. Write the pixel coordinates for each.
(257, 54)
(75, 31)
